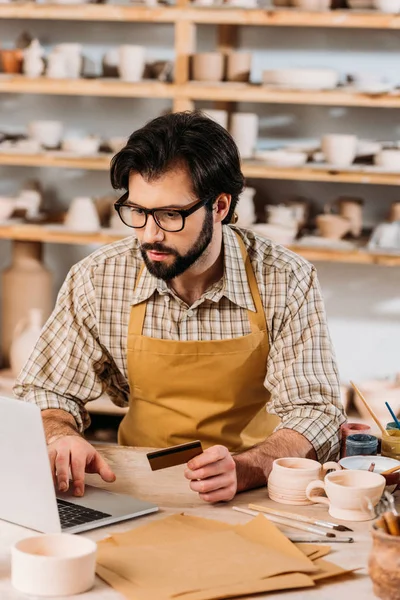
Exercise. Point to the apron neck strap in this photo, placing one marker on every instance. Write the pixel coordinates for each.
(257, 319)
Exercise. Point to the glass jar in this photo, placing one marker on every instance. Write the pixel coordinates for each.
(391, 444)
(361, 444)
(391, 425)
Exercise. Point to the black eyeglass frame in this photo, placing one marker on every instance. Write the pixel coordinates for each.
(183, 212)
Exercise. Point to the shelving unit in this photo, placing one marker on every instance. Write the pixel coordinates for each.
(183, 93)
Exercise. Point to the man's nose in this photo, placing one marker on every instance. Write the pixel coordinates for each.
(152, 232)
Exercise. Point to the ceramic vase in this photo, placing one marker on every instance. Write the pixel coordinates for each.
(82, 215)
(25, 284)
(25, 336)
(73, 58)
(56, 66)
(33, 65)
(131, 62)
(245, 209)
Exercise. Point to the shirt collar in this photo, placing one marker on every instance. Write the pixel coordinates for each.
(234, 285)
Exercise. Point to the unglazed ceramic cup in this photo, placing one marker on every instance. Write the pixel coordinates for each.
(348, 493)
(290, 477)
(53, 565)
(339, 150)
(208, 66)
(238, 66)
(332, 227)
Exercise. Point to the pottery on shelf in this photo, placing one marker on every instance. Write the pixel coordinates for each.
(245, 209)
(244, 130)
(57, 65)
(7, 206)
(332, 226)
(72, 56)
(339, 149)
(394, 212)
(81, 145)
(351, 209)
(82, 215)
(281, 215)
(238, 66)
(47, 133)
(388, 158)
(11, 60)
(25, 284)
(33, 65)
(208, 66)
(131, 62)
(24, 338)
(385, 235)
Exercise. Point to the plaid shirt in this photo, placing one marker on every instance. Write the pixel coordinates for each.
(81, 352)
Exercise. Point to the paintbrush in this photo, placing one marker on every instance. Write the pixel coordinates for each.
(395, 419)
(296, 525)
(369, 409)
(301, 518)
(298, 539)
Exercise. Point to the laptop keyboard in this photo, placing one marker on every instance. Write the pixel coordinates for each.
(76, 514)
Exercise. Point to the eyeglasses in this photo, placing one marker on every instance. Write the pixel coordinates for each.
(170, 219)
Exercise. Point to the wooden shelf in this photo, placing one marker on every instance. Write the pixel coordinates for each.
(115, 88)
(37, 233)
(223, 92)
(251, 169)
(242, 92)
(231, 16)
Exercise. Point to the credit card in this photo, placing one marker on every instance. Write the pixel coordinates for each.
(174, 455)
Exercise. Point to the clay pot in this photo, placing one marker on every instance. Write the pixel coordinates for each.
(332, 227)
(384, 565)
(244, 130)
(339, 150)
(351, 209)
(208, 66)
(11, 60)
(238, 66)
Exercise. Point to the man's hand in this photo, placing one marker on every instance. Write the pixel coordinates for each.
(75, 453)
(213, 474)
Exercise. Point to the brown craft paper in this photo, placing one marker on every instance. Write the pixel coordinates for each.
(200, 559)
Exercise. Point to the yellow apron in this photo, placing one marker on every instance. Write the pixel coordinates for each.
(207, 390)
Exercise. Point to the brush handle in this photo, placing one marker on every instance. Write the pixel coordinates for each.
(395, 419)
(369, 409)
(392, 470)
(289, 515)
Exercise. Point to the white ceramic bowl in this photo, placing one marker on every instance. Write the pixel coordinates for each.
(311, 79)
(387, 6)
(86, 145)
(282, 158)
(388, 159)
(53, 565)
(275, 233)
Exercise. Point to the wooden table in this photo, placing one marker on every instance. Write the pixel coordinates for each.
(169, 490)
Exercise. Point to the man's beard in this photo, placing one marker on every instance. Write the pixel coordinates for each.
(181, 263)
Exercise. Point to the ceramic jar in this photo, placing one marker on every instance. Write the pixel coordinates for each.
(26, 284)
(208, 66)
(384, 564)
(72, 55)
(395, 212)
(25, 336)
(244, 130)
(131, 62)
(238, 66)
(281, 215)
(290, 477)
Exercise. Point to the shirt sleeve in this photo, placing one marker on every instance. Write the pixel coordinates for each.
(68, 366)
(302, 375)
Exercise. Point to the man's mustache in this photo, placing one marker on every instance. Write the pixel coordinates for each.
(157, 247)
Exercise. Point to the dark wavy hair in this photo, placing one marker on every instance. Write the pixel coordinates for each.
(187, 138)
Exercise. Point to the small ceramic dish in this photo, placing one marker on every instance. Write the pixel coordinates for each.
(382, 463)
(282, 158)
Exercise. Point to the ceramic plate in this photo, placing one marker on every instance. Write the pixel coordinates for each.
(382, 463)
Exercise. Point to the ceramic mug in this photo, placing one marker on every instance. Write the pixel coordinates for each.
(208, 66)
(349, 494)
(244, 130)
(238, 66)
(290, 477)
(132, 60)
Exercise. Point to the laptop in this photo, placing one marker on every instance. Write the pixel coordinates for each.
(28, 497)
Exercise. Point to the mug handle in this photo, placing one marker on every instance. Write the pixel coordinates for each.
(330, 465)
(316, 485)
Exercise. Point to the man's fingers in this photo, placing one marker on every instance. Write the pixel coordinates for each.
(100, 466)
(212, 484)
(78, 464)
(223, 495)
(52, 459)
(211, 470)
(62, 469)
(211, 455)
